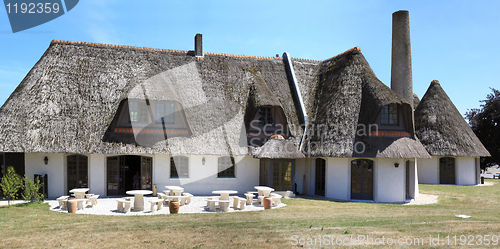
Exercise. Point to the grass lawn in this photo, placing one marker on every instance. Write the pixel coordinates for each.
(302, 221)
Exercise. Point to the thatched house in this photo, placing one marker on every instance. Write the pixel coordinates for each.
(92, 115)
(445, 134)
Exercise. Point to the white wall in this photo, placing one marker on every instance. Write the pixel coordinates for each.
(428, 170)
(97, 174)
(465, 170)
(389, 181)
(203, 178)
(55, 170)
(303, 176)
(338, 178)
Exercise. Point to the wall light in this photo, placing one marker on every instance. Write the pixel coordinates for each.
(46, 160)
(203, 161)
(396, 164)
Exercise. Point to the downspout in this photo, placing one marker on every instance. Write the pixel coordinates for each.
(291, 73)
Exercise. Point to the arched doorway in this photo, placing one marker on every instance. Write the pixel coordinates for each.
(362, 179)
(320, 177)
(121, 171)
(447, 170)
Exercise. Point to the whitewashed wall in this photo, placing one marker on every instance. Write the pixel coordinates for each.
(428, 170)
(55, 170)
(465, 170)
(303, 176)
(338, 178)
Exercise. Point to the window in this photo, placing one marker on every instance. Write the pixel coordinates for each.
(266, 116)
(138, 112)
(165, 111)
(226, 167)
(389, 114)
(179, 167)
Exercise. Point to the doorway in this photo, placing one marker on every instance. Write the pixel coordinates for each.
(407, 180)
(121, 171)
(362, 179)
(447, 170)
(320, 177)
(278, 174)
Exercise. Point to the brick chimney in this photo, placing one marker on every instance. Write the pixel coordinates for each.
(198, 45)
(401, 78)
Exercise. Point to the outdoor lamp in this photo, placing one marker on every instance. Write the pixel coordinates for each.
(396, 164)
(203, 161)
(46, 160)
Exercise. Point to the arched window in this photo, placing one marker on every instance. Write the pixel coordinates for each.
(226, 167)
(179, 167)
(77, 171)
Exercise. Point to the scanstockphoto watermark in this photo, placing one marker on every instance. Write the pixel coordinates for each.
(431, 241)
(318, 133)
(26, 14)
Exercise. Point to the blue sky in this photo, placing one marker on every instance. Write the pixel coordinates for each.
(455, 42)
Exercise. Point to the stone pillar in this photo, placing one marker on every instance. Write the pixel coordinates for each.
(401, 78)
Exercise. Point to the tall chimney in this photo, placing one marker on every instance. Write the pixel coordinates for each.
(401, 79)
(198, 45)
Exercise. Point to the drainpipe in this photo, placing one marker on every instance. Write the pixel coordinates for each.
(296, 91)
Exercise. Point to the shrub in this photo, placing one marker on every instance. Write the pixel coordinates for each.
(10, 184)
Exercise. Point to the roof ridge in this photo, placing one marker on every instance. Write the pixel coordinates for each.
(117, 46)
(164, 50)
(354, 49)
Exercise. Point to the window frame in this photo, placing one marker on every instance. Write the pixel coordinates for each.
(182, 163)
(229, 172)
(141, 112)
(392, 114)
(264, 113)
(168, 118)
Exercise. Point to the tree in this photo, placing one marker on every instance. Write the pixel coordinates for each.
(485, 122)
(10, 184)
(31, 190)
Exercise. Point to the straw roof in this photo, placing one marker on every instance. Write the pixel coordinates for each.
(416, 101)
(442, 129)
(69, 99)
(278, 149)
(347, 94)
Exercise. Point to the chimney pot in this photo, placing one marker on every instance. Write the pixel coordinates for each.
(198, 45)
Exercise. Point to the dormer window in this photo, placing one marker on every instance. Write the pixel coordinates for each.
(389, 115)
(266, 116)
(165, 111)
(138, 112)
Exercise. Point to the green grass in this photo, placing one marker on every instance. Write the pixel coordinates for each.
(34, 225)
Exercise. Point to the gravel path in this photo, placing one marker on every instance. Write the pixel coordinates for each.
(107, 206)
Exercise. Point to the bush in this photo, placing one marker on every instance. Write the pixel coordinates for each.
(10, 184)
(31, 189)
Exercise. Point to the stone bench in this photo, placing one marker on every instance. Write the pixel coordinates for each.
(61, 201)
(158, 203)
(250, 197)
(188, 199)
(223, 205)
(239, 203)
(93, 200)
(123, 205)
(276, 199)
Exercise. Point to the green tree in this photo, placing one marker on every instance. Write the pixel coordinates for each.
(10, 184)
(31, 189)
(485, 122)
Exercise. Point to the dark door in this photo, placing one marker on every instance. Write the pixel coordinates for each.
(362, 179)
(77, 173)
(320, 177)
(447, 170)
(407, 179)
(121, 170)
(116, 175)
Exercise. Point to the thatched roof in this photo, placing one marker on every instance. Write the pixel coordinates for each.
(416, 101)
(442, 129)
(278, 149)
(347, 94)
(68, 100)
